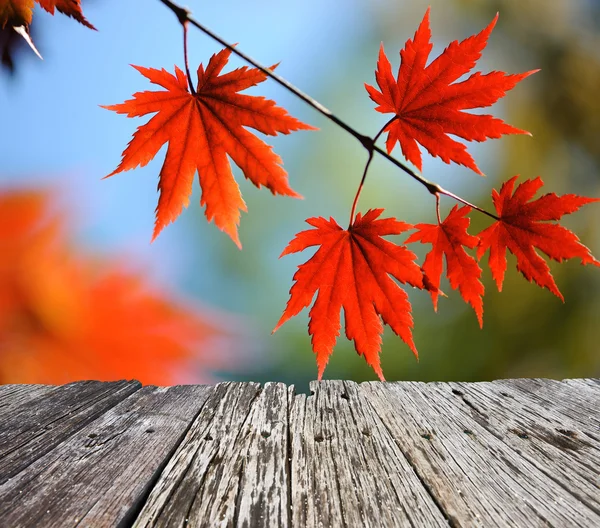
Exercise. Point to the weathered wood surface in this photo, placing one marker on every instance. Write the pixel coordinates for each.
(506, 453)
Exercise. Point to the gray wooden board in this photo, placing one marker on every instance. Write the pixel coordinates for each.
(506, 453)
(100, 476)
(231, 469)
(43, 422)
(578, 404)
(13, 396)
(478, 479)
(550, 441)
(584, 384)
(347, 469)
(590, 382)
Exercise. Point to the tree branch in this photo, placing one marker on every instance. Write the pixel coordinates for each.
(183, 15)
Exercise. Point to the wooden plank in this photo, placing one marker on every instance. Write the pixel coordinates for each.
(231, 468)
(102, 474)
(347, 470)
(263, 498)
(571, 402)
(550, 441)
(48, 419)
(586, 383)
(592, 382)
(475, 477)
(13, 396)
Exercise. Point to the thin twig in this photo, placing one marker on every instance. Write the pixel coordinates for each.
(461, 200)
(183, 15)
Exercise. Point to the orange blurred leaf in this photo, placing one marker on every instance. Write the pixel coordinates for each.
(66, 317)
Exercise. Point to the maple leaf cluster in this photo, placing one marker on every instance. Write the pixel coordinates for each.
(356, 269)
(67, 317)
(428, 105)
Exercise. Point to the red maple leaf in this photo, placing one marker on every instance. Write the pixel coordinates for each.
(20, 12)
(463, 271)
(428, 103)
(523, 226)
(71, 8)
(202, 129)
(15, 12)
(352, 269)
(16, 17)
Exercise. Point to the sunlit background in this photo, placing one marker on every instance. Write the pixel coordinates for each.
(56, 138)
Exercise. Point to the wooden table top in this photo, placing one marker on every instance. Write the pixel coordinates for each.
(522, 452)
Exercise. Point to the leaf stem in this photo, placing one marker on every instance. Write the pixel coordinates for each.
(360, 186)
(185, 58)
(183, 15)
(364, 176)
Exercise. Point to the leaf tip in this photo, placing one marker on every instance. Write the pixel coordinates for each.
(235, 238)
(284, 317)
(321, 370)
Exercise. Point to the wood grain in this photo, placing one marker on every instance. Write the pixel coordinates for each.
(554, 443)
(477, 478)
(13, 396)
(346, 467)
(39, 425)
(580, 405)
(521, 453)
(104, 471)
(231, 468)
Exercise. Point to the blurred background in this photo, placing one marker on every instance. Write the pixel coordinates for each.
(70, 307)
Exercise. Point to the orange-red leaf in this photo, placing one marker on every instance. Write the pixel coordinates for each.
(463, 271)
(428, 103)
(352, 269)
(15, 12)
(202, 129)
(71, 8)
(523, 226)
(20, 12)
(66, 317)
